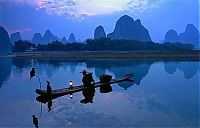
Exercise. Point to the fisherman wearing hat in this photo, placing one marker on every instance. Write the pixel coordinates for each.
(87, 79)
(88, 90)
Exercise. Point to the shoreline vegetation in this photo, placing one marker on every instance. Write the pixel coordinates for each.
(105, 48)
(193, 55)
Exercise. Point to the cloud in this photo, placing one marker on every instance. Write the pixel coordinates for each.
(82, 8)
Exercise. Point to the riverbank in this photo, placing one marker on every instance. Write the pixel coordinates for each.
(143, 55)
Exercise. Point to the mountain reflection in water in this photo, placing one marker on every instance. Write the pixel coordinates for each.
(165, 94)
(118, 68)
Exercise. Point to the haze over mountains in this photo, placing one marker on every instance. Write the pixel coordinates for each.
(5, 43)
(64, 40)
(72, 38)
(50, 37)
(189, 36)
(99, 32)
(125, 28)
(171, 36)
(37, 38)
(15, 37)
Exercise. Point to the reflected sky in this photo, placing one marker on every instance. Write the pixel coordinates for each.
(164, 94)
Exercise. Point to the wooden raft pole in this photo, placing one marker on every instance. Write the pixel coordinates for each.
(66, 91)
(44, 97)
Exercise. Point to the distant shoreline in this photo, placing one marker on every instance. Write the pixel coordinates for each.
(139, 55)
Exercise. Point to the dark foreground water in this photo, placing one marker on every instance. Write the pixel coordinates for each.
(165, 94)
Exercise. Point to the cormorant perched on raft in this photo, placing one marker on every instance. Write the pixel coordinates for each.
(49, 89)
(35, 121)
(32, 73)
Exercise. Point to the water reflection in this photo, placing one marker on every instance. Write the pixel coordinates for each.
(170, 67)
(99, 71)
(49, 105)
(156, 102)
(118, 68)
(88, 94)
(35, 121)
(5, 69)
(189, 69)
(22, 63)
(140, 70)
(106, 88)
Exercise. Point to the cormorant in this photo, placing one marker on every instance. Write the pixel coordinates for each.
(49, 89)
(32, 73)
(35, 121)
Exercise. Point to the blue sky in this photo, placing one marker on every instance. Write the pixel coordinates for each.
(82, 16)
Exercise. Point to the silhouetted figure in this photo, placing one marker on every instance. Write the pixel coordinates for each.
(88, 90)
(32, 73)
(49, 89)
(87, 79)
(35, 121)
(49, 104)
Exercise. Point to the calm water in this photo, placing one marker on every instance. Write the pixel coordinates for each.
(165, 94)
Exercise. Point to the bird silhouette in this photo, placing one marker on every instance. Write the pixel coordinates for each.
(35, 121)
(49, 89)
(32, 73)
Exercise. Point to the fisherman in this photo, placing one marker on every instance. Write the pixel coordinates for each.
(88, 90)
(35, 121)
(49, 89)
(32, 73)
(87, 79)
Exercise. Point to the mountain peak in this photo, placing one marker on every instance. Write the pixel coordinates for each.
(48, 37)
(171, 36)
(5, 43)
(191, 35)
(71, 38)
(15, 37)
(127, 28)
(138, 22)
(125, 20)
(126, 17)
(99, 32)
(190, 27)
(64, 40)
(37, 38)
(48, 31)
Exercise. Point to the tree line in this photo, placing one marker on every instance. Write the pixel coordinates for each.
(102, 44)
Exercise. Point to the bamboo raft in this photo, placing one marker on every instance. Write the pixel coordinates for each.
(44, 96)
